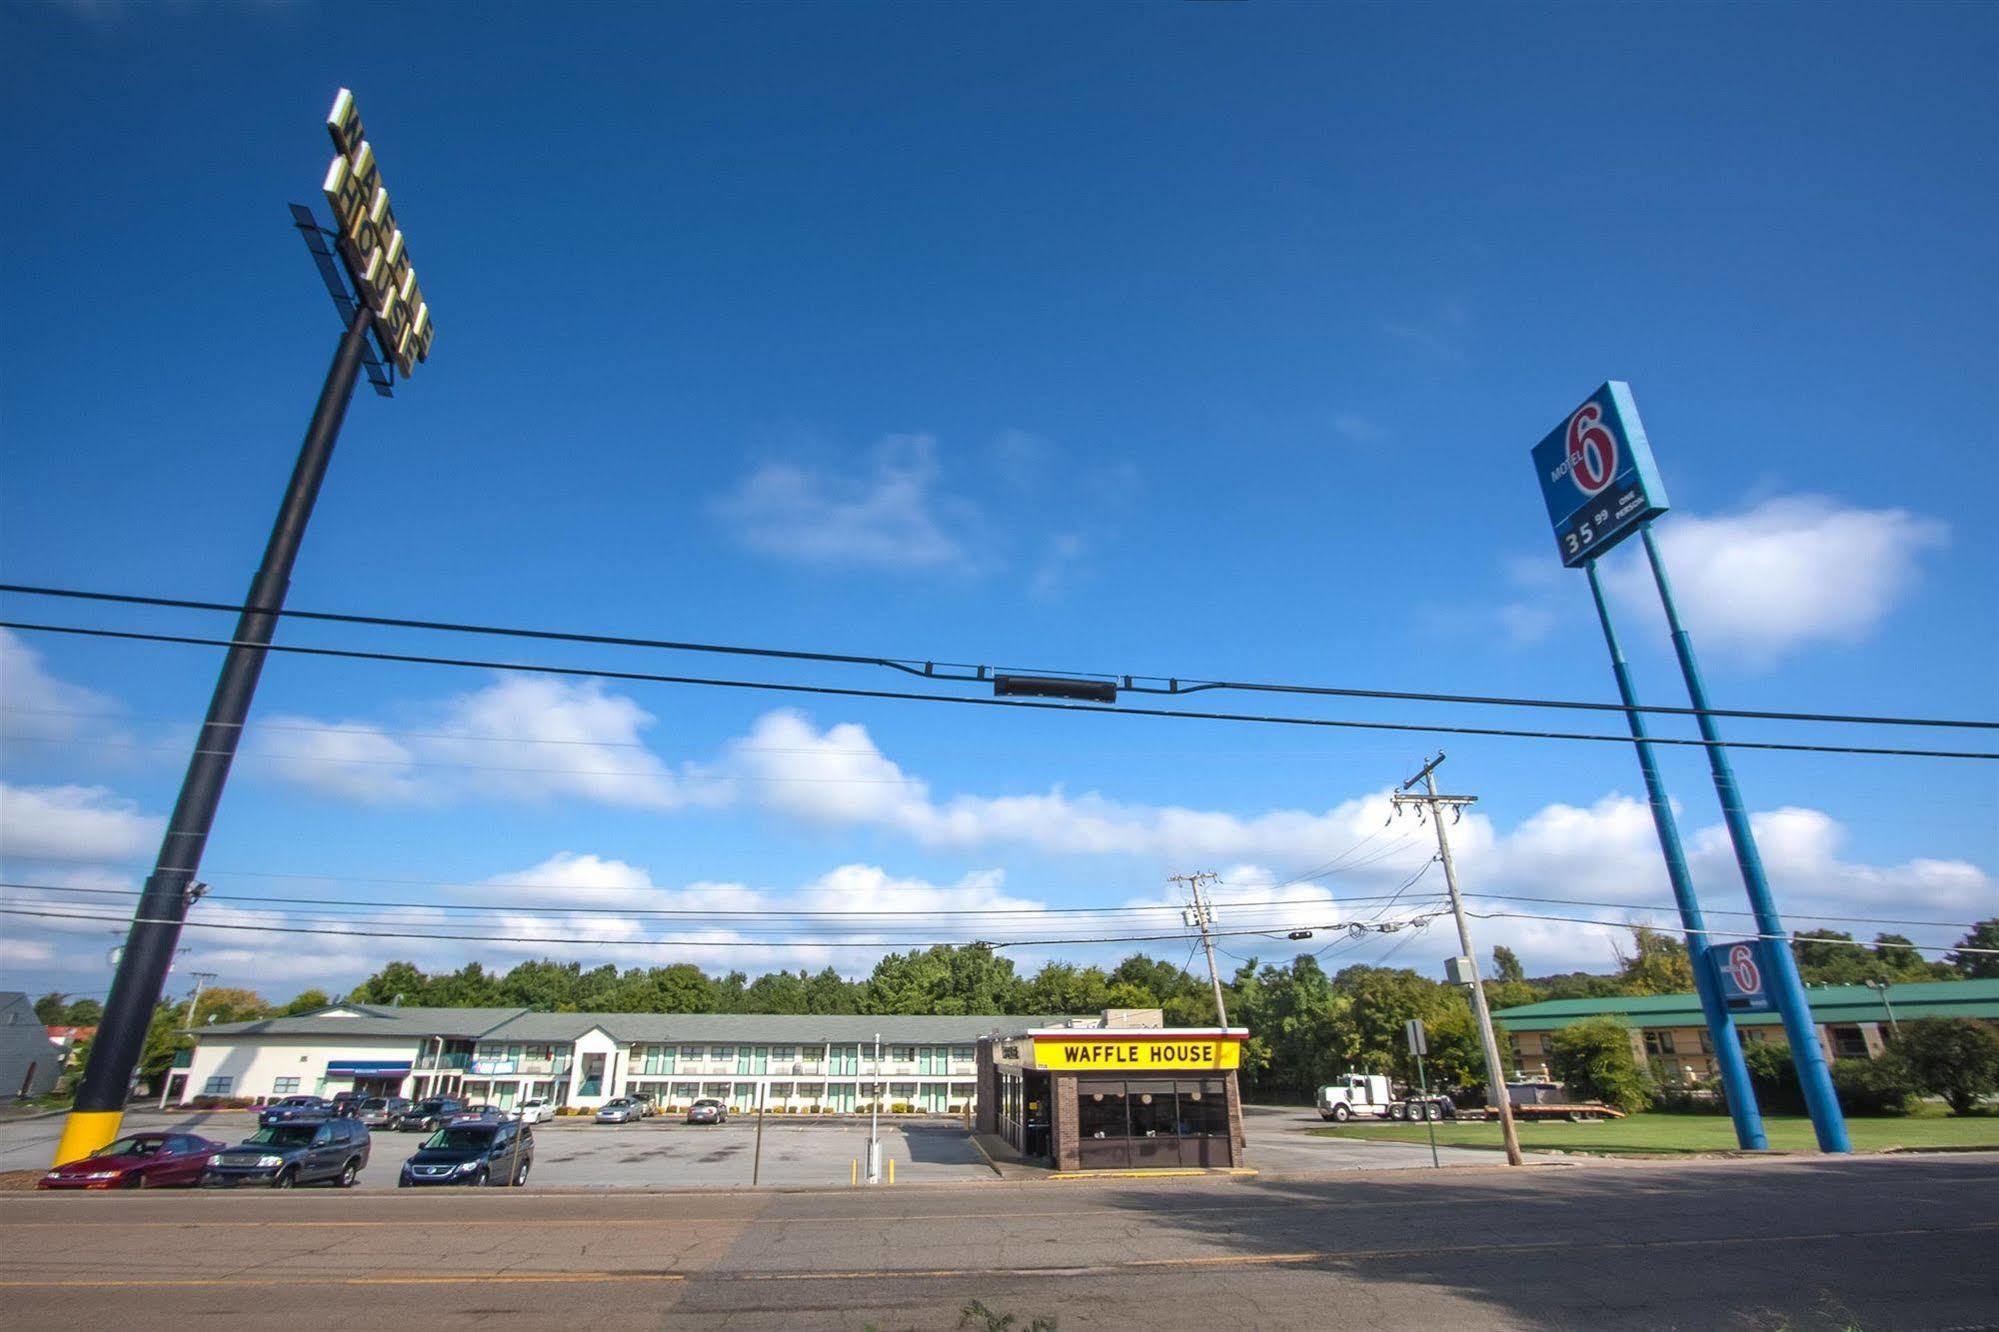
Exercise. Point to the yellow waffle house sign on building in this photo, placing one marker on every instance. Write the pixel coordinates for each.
(1118, 1093)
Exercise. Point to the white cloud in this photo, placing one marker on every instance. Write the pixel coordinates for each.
(74, 823)
(522, 737)
(37, 705)
(839, 776)
(893, 518)
(1785, 574)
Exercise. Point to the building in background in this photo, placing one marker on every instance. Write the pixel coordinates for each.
(29, 1061)
(1122, 1091)
(1669, 1035)
(790, 1064)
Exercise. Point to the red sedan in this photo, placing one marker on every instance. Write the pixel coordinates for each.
(138, 1161)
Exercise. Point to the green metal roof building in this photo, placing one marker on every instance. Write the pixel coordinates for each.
(1669, 1032)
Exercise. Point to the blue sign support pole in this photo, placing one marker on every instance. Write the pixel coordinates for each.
(1813, 1076)
(1741, 1096)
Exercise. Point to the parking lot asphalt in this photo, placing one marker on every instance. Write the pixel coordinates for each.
(664, 1153)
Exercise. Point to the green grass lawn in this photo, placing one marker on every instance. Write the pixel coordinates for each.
(1671, 1134)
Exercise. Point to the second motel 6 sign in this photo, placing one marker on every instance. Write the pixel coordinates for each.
(372, 244)
(1598, 476)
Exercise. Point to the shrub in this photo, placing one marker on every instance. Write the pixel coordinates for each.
(1593, 1059)
(1873, 1086)
(1955, 1058)
(1775, 1079)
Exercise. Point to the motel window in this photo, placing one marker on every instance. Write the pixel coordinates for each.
(1659, 1042)
(690, 1052)
(283, 1086)
(961, 1054)
(1707, 1042)
(724, 1052)
(217, 1086)
(902, 1054)
(783, 1054)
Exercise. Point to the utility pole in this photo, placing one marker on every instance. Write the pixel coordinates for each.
(201, 979)
(1201, 915)
(874, 1119)
(1494, 1072)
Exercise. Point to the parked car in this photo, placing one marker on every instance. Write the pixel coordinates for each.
(536, 1111)
(347, 1105)
(295, 1107)
(301, 1151)
(430, 1114)
(480, 1114)
(648, 1107)
(138, 1161)
(380, 1112)
(619, 1110)
(707, 1110)
(472, 1153)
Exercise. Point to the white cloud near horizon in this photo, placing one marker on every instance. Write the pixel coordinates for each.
(38, 705)
(1757, 585)
(893, 517)
(528, 738)
(1784, 574)
(74, 823)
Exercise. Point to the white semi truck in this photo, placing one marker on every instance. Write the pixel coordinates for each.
(1371, 1096)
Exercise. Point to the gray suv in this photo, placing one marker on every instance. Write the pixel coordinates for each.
(282, 1156)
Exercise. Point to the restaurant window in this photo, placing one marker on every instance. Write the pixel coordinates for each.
(217, 1086)
(1204, 1109)
(1152, 1110)
(284, 1086)
(1100, 1113)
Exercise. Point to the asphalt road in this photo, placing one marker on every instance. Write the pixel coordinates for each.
(1885, 1242)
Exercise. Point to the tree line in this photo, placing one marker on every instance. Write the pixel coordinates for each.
(1307, 1024)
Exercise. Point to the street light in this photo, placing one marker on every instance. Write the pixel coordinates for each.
(1882, 987)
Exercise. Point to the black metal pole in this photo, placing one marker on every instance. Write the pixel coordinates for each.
(156, 923)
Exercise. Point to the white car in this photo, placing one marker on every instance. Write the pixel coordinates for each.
(534, 1112)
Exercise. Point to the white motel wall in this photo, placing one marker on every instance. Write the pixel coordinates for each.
(789, 1064)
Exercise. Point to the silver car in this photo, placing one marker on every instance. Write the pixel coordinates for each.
(619, 1110)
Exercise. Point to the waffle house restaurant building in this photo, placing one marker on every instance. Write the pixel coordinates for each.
(1123, 1093)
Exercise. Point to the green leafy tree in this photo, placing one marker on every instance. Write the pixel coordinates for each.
(1506, 964)
(1953, 1057)
(1977, 965)
(398, 982)
(1873, 1086)
(1593, 1059)
(943, 980)
(51, 1009)
(776, 992)
(1657, 964)
(830, 992)
(1064, 988)
(1773, 1075)
(306, 1002)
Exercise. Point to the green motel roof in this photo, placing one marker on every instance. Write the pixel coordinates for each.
(1830, 1003)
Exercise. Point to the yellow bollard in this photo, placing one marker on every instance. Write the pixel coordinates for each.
(891, 1170)
(854, 1175)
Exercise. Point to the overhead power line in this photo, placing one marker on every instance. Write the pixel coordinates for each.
(1266, 905)
(930, 669)
(841, 691)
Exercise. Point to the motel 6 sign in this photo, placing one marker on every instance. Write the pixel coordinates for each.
(1598, 476)
(1739, 971)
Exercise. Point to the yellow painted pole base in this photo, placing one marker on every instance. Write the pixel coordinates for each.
(87, 1132)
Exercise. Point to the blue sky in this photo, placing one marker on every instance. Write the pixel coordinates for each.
(1200, 339)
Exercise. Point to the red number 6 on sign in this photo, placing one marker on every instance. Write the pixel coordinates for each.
(1592, 449)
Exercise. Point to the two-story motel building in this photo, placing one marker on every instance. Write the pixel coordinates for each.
(794, 1064)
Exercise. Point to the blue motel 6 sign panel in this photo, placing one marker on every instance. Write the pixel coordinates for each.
(1598, 476)
(1739, 971)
